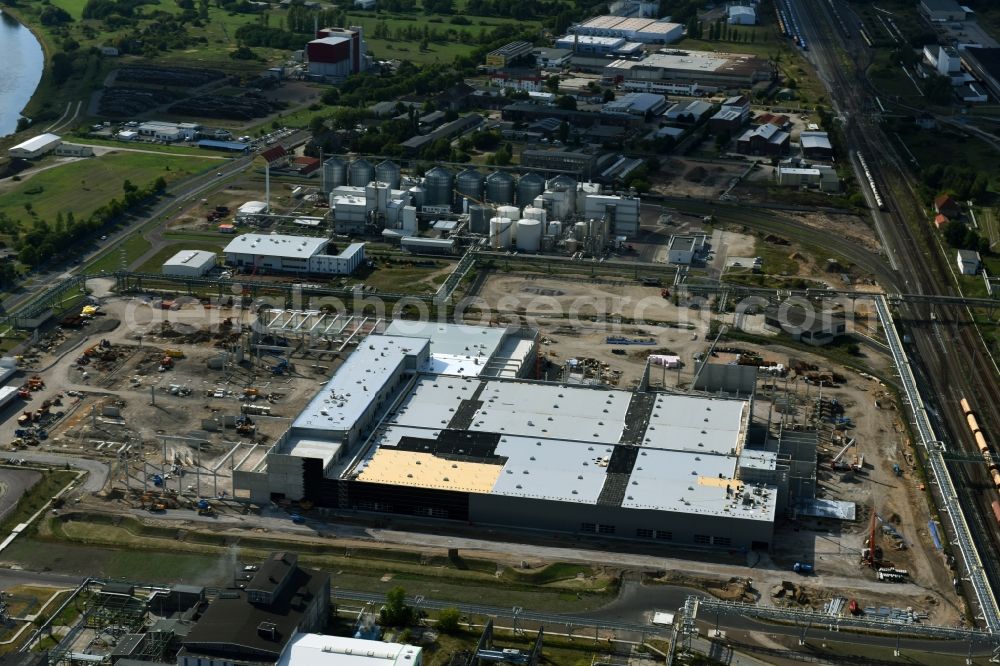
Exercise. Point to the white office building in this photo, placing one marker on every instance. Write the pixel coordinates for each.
(278, 253)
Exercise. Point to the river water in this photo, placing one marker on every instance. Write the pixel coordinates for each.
(20, 71)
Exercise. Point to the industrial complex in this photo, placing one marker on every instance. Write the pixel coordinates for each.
(441, 421)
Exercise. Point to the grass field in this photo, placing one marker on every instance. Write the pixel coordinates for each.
(133, 247)
(83, 186)
(87, 546)
(943, 146)
(189, 151)
(403, 278)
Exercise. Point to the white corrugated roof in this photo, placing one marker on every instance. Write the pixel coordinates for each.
(197, 258)
(322, 650)
(34, 143)
(277, 245)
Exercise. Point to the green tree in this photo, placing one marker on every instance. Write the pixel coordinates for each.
(447, 622)
(62, 67)
(396, 613)
(938, 90)
(567, 102)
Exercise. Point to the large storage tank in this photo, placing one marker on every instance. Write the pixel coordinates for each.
(417, 196)
(529, 235)
(388, 172)
(533, 213)
(479, 219)
(360, 173)
(513, 212)
(580, 230)
(438, 186)
(334, 174)
(528, 187)
(470, 184)
(555, 228)
(561, 183)
(500, 232)
(500, 188)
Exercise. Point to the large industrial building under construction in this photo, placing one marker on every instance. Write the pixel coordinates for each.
(439, 421)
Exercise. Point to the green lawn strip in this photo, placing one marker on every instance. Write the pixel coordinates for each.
(131, 146)
(375, 569)
(83, 186)
(110, 261)
(35, 498)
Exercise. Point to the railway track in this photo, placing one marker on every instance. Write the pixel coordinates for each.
(950, 353)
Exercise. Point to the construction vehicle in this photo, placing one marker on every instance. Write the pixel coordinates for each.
(836, 463)
(156, 506)
(664, 293)
(24, 418)
(205, 508)
(24, 394)
(897, 470)
(802, 568)
(244, 426)
(297, 519)
(173, 353)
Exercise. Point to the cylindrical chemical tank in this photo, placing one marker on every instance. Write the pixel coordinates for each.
(513, 212)
(417, 196)
(500, 188)
(388, 172)
(528, 187)
(529, 235)
(571, 246)
(533, 213)
(334, 174)
(500, 230)
(580, 231)
(555, 228)
(438, 185)
(470, 184)
(360, 173)
(479, 219)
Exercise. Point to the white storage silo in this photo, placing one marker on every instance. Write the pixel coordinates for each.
(580, 230)
(500, 232)
(529, 235)
(513, 212)
(533, 213)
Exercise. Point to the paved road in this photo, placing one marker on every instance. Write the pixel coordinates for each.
(14, 483)
(97, 471)
(13, 577)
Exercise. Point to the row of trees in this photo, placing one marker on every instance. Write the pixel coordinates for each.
(964, 182)
(719, 31)
(43, 240)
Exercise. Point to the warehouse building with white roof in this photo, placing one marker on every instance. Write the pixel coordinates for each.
(279, 253)
(35, 147)
(189, 263)
(438, 421)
